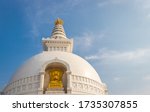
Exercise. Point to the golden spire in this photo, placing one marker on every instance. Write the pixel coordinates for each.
(59, 21)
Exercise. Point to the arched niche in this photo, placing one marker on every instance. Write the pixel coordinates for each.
(55, 77)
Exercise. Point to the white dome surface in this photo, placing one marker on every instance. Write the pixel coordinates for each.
(78, 66)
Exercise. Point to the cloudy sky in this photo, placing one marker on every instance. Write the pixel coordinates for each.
(112, 35)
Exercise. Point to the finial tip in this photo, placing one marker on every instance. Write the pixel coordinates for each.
(59, 21)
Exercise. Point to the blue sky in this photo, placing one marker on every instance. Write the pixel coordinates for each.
(113, 35)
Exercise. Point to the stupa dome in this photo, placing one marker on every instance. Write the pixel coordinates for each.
(78, 66)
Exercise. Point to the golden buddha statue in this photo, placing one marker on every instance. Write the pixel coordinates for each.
(55, 78)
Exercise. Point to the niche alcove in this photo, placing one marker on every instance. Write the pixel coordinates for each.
(55, 79)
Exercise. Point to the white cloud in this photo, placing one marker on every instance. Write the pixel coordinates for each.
(39, 13)
(109, 2)
(143, 7)
(35, 31)
(146, 78)
(148, 16)
(118, 1)
(92, 57)
(130, 67)
(102, 4)
(116, 79)
(143, 3)
(73, 3)
(36, 15)
(86, 40)
(140, 55)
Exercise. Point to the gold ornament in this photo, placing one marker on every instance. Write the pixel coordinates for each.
(59, 22)
(56, 78)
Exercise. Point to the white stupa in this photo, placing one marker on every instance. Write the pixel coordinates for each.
(56, 70)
